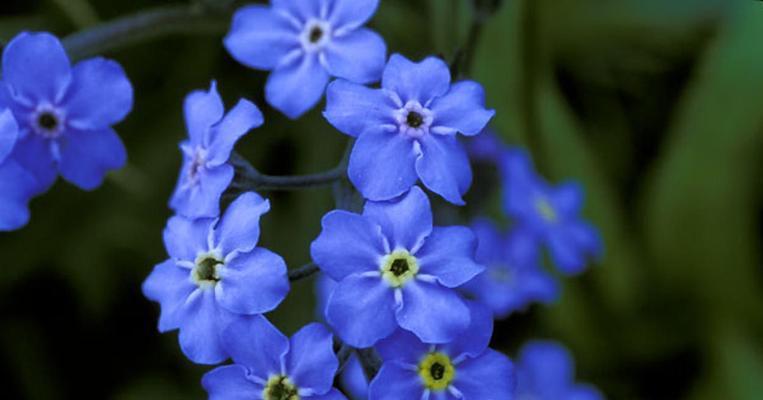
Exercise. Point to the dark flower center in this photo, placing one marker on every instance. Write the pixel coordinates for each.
(280, 388)
(399, 266)
(206, 271)
(414, 119)
(316, 33)
(47, 121)
(437, 371)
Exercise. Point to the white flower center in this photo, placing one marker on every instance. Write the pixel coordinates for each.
(316, 35)
(47, 121)
(413, 119)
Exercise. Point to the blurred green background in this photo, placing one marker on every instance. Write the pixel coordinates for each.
(656, 106)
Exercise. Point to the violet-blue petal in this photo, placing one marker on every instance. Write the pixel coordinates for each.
(260, 38)
(353, 379)
(422, 81)
(229, 382)
(350, 14)
(9, 132)
(300, 9)
(100, 94)
(33, 153)
(170, 286)
(253, 282)
(402, 346)
(382, 164)
(448, 254)
(406, 222)
(36, 67)
(490, 376)
(393, 382)
(239, 228)
(351, 107)
(223, 136)
(477, 336)
(332, 394)
(358, 56)
(462, 109)
(435, 314)
(567, 198)
(295, 87)
(86, 156)
(200, 331)
(361, 310)
(202, 110)
(202, 198)
(444, 167)
(572, 245)
(17, 186)
(545, 366)
(584, 392)
(254, 342)
(311, 362)
(348, 244)
(185, 238)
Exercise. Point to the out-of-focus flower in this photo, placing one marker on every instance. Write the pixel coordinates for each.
(545, 371)
(17, 185)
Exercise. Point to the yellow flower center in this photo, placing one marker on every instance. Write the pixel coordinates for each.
(280, 387)
(545, 209)
(436, 371)
(399, 267)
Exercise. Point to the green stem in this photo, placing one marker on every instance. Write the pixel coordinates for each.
(303, 272)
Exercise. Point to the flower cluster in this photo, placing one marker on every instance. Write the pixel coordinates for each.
(56, 118)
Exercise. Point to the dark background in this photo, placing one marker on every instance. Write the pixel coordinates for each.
(656, 106)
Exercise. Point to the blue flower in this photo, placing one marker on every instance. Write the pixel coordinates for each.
(215, 274)
(17, 185)
(64, 112)
(352, 377)
(465, 369)
(486, 147)
(552, 214)
(267, 365)
(545, 371)
(407, 129)
(512, 279)
(304, 43)
(211, 136)
(395, 270)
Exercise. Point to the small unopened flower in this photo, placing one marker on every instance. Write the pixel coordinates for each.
(407, 129)
(268, 365)
(464, 369)
(64, 112)
(545, 371)
(17, 185)
(212, 134)
(304, 43)
(215, 274)
(395, 270)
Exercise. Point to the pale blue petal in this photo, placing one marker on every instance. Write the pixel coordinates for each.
(223, 136)
(422, 81)
(294, 88)
(203, 321)
(202, 198)
(393, 382)
(229, 383)
(402, 346)
(361, 310)
(311, 362)
(253, 282)
(99, 96)
(382, 164)
(36, 67)
(86, 156)
(435, 314)
(487, 377)
(448, 254)
(462, 109)
(239, 228)
(332, 394)
(202, 110)
(254, 342)
(444, 167)
(406, 222)
(185, 238)
(349, 14)
(301, 9)
(352, 108)
(170, 286)
(358, 56)
(260, 38)
(477, 336)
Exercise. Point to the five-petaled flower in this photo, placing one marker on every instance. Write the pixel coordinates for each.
(512, 278)
(464, 369)
(215, 274)
(269, 366)
(64, 112)
(551, 214)
(304, 43)
(17, 185)
(407, 129)
(205, 173)
(545, 371)
(395, 270)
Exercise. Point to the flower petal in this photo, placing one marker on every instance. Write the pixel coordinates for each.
(358, 56)
(17, 186)
(546, 367)
(422, 81)
(435, 314)
(567, 198)
(402, 346)
(254, 342)
(477, 336)
(584, 392)
(492, 368)
(36, 67)
(444, 167)
(332, 394)
(239, 228)
(352, 108)
(223, 137)
(382, 164)
(301, 9)
(350, 14)
(86, 156)
(571, 245)
(361, 310)
(229, 383)
(33, 153)
(348, 244)
(185, 238)
(9, 133)
(253, 282)
(202, 110)
(405, 222)
(462, 109)
(201, 199)
(170, 286)
(393, 382)
(260, 38)
(311, 362)
(201, 328)
(99, 96)
(296, 87)
(448, 254)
